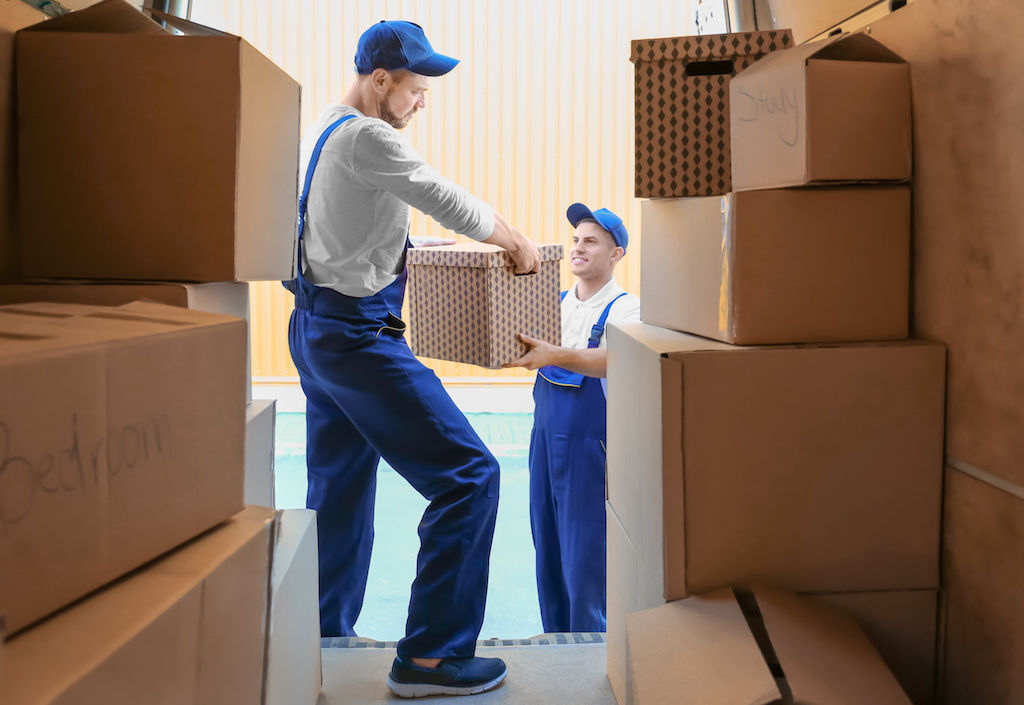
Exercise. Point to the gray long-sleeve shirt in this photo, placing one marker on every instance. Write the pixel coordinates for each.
(357, 214)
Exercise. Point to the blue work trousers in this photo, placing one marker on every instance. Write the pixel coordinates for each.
(368, 397)
(567, 515)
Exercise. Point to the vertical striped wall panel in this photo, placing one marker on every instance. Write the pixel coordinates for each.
(538, 114)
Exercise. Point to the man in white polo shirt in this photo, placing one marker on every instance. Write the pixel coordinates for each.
(567, 447)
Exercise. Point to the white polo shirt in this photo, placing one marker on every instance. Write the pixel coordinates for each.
(578, 317)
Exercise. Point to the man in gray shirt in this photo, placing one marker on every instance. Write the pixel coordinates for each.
(367, 395)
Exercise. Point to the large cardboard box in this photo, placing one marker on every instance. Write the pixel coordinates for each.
(294, 671)
(813, 468)
(769, 646)
(14, 15)
(229, 298)
(682, 109)
(466, 303)
(780, 266)
(901, 624)
(260, 425)
(121, 436)
(189, 629)
(180, 162)
(832, 111)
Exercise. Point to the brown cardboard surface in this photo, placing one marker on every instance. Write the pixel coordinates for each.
(466, 304)
(682, 111)
(902, 625)
(969, 256)
(779, 266)
(814, 468)
(189, 628)
(121, 434)
(984, 578)
(831, 111)
(694, 651)
(195, 139)
(13, 16)
(230, 298)
(825, 656)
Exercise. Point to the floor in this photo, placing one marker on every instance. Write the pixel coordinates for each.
(568, 673)
(512, 611)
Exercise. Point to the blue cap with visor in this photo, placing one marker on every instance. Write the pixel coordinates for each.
(578, 212)
(400, 45)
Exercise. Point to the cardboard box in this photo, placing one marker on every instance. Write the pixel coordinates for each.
(189, 629)
(466, 304)
(121, 436)
(768, 647)
(901, 624)
(780, 266)
(682, 109)
(13, 16)
(229, 298)
(832, 111)
(293, 640)
(811, 468)
(260, 423)
(181, 161)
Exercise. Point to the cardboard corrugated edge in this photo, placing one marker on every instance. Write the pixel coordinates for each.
(260, 421)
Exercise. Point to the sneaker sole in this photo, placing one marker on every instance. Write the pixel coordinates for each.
(422, 690)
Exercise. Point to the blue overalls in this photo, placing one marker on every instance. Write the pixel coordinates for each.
(368, 397)
(567, 481)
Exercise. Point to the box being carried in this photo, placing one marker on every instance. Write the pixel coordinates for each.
(467, 304)
(121, 436)
(144, 155)
(682, 109)
(832, 111)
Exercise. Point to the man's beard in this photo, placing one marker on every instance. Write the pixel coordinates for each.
(388, 116)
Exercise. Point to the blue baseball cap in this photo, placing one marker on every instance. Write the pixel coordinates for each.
(603, 217)
(400, 45)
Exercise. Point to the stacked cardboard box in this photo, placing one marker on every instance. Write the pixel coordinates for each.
(151, 168)
(797, 442)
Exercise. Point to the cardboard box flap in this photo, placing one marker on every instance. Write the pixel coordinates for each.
(186, 27)
(710, 47)
(856, 47)
(697, 651)
(825, 657)
(106, 17)
(664, 341)
(846, 47)
(473, 254)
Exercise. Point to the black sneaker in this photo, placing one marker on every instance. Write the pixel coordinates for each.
(453, 676)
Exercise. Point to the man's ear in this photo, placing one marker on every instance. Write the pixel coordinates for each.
(617, 254)
(379, 80)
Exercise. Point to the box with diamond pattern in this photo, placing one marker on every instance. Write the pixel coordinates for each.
(466, 304)
(682, 109)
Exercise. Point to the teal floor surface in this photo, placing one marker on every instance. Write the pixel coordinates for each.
(512, 611)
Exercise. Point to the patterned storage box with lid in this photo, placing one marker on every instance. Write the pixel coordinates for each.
(466, 304)
(682, 109)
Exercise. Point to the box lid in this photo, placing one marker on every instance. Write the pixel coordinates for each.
(119, 17)
(712, 46)
(845, 47)
(473, 254)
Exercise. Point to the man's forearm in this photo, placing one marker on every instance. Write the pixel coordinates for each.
(590, 362)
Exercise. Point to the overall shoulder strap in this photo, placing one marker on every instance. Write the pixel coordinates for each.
(562, 295)
(313, 159)
(598, 330)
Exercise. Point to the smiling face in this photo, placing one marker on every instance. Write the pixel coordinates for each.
(594, 253)
(404, 94)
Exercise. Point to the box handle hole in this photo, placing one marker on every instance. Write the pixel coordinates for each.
(709, 68)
